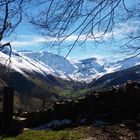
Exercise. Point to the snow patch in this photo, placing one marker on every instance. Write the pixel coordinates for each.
(53, 124)
(99, 123)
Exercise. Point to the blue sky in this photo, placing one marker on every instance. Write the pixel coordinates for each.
(26, 38)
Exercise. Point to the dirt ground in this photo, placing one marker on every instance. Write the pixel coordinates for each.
(119, 131)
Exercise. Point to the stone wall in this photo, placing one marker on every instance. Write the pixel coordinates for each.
(112, 105)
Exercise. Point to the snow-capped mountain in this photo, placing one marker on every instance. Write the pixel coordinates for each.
(58, 63)
(22, 63)
(127, 63)
(25, 65)
(46, 63)
(91, 68)
(83, 70)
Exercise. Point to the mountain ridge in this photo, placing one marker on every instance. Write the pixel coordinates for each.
(84, 70)
(34, 79)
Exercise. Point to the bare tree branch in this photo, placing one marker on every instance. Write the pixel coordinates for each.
(92, 18)
(10, 17)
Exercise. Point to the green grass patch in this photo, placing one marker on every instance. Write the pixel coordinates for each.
(83, 91)
(65, 93)
(71, 134)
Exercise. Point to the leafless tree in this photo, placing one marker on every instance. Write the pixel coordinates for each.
(85, 20)
(10, 16)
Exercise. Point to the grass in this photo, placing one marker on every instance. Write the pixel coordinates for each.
(83, 91)
(71, 134)
(65, 93)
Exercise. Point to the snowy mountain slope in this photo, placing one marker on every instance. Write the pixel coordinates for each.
(127, 63)
(46, 63)
(58, 63)
(123, 64)
(90, 68)
(83, 70)
(22, 63)
(118, 77)
(25, 65)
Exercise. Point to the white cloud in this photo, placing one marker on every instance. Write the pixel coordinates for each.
(35, 40)
(118, 32)
(26, 40)
(22, 43)
(39, 39)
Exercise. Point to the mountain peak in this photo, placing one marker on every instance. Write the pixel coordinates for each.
(47, 63)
